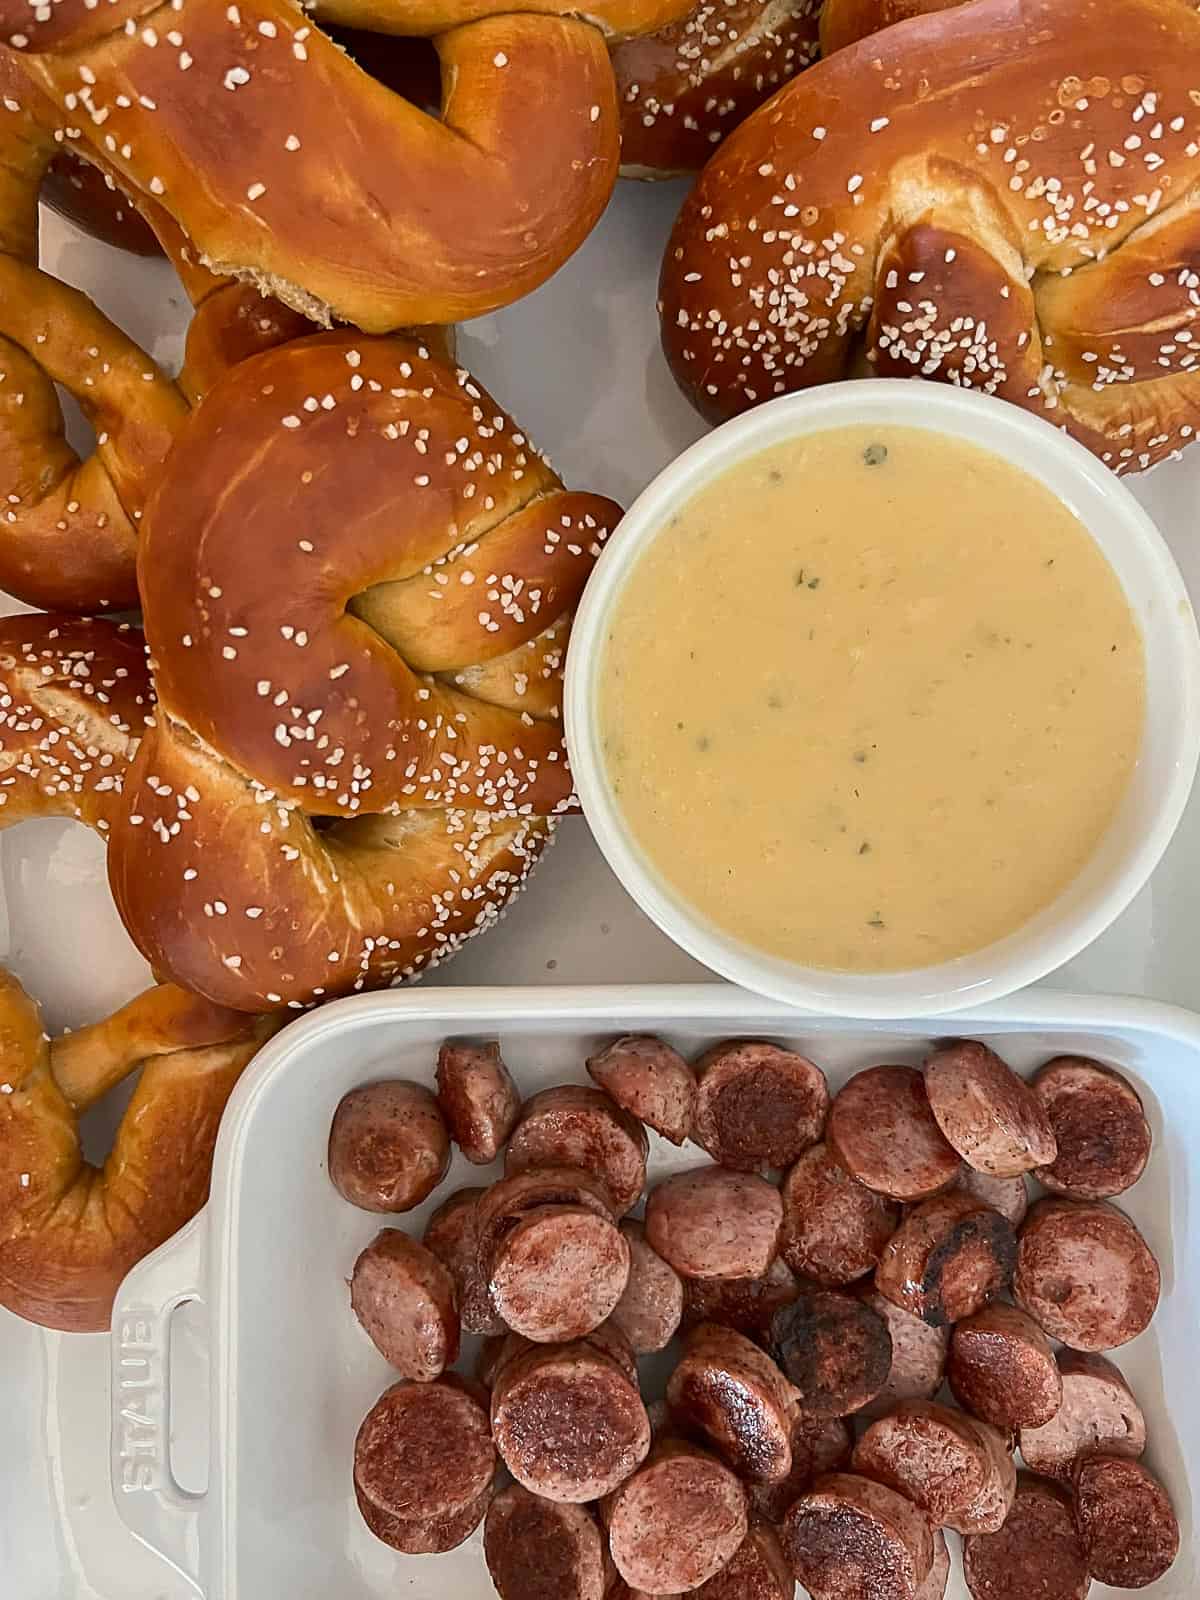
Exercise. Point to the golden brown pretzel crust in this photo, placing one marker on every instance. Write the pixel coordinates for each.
(1004, 195)
(286, 163)
(684, 89)
(69, 1232)
(357, 579)
(845, 22)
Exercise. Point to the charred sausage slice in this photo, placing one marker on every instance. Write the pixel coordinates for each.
(715, 1224)
(834, 1348)
(955, 1468)
(1126, 1522)
(819, 1445)
(758, 1571)
(572, 1126)
(1001, 1368)
(649, 1080)
(918, 1356)
(649, 1311)
(568, 1422)
(992, 1118)
(834, 1229)
(388, 1146)
(882, 1131)
(1085, 1274)
(1037, 1552)
(452, 1236)
(540, 1549)
(404, 1298)
(726, 1389)
(1098, 1416)
(501, 1207)
(948, 1259)
(558, 1273)
(478, 1097)
(1101, 1129)
(744, 1304)
(758, 1106)
(424, 1463)
(678, 1521)
(853, 1539)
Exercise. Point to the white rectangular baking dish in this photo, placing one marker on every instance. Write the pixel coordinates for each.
(293, 1375)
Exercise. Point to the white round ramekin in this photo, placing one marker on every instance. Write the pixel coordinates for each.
(1158, 790)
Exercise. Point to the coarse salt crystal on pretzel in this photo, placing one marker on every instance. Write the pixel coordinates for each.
(1001, 195)
(357, 577)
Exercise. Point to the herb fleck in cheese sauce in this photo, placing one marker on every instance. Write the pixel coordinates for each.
(871, 699)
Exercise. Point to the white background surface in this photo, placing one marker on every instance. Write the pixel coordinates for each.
(578, 364)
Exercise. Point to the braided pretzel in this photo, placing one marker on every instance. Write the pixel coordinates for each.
(684, 89)
(845, 22)
(68, 527)
(287, 164)
(69, 1232)
(74, 702)
(356, 580)
(1003, 196)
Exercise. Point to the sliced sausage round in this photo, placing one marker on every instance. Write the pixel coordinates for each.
(934, 1587)
(478, 1097)
(1098, 1416)
(1008, 1196)
(882, 1131)
(853, 1539)
(834, 1228)
(424, 1464)
(678, 1521)
(819, 1445)
(1100, 1126)
(404, 1298)
(491, 1356)
(558, 1273)
(758, 1571)
(711, 1223)
(1085, 1274)
(728, 1390)
(955, 1468)
(757, 1106)
(568, 1422)
(1001, 1368)
(574, 1126)
(991, 1117)
(918, 1355)
(1036, 1552)
(744, 1304)
(948, 1259)
(540, 1549)
(388, 1146)
(1127, 1525)
(834, 1348)
(649, 1080)
(649, 1311)
(452, 1236)
(501, 1207)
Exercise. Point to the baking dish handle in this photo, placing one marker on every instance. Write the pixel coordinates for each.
(150, 1501)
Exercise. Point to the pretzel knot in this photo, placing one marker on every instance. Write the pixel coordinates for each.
(1003, 196)
(356, 578)
(286, 163)
(74, 702)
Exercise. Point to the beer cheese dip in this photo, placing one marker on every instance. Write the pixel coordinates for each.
(870, 699)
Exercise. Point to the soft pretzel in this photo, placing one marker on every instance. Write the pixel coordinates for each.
(287, 164)
(68, 527)
(1002, 195)
(357, 578)
(85, 196)
(685, 88)
(845, 22)
(69, 1231)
